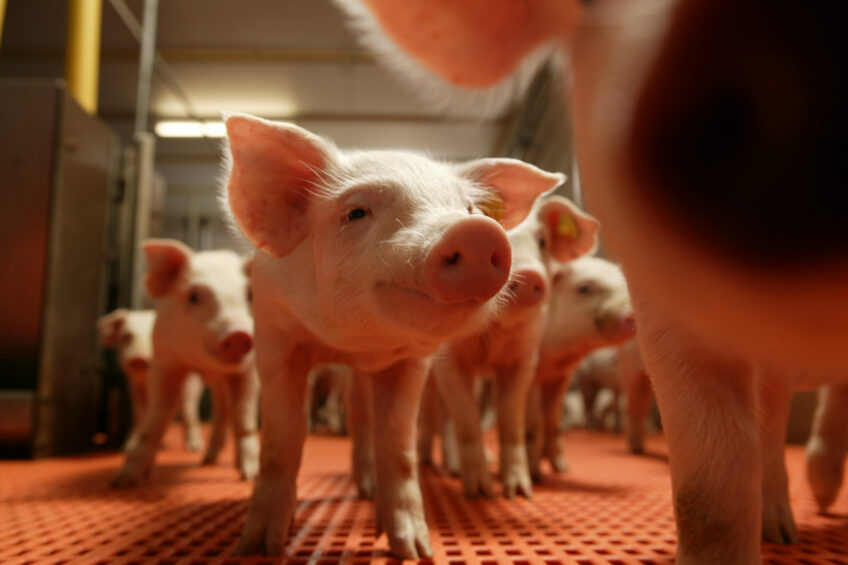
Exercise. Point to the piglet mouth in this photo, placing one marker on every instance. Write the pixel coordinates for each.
(420, 297)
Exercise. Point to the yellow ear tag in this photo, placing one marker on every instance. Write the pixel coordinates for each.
(568, 227)
(493, 206)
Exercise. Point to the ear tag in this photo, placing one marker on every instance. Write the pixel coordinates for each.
(493, 206)
(566, 226)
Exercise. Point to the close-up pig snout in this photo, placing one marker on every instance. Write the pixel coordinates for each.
(471, 261)
(234, 345)
(729, 135)
(528, 288)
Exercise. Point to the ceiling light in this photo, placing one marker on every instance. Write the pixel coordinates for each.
(190, 128)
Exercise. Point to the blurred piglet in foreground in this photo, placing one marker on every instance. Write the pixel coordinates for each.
(715, 168)
(508, 347)
(203, 324)
(372, 259)
(130, 332)
(589, 308)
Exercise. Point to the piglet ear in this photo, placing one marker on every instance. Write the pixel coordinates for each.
(167, 265)
(511, 187)
(110, 326)
(275, 171)
(571, 233)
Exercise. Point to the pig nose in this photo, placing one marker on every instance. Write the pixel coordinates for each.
(628, 322)
(137, 364)
(470, 262)
(234, 346)
(528, 289)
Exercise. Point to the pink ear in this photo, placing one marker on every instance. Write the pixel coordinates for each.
(167, 263)
(275, 170)
(472, 43)
(571, 232)
(110, 326)
(515, 186)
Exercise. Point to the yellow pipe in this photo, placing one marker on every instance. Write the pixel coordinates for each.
(82, 58)
(2, 14)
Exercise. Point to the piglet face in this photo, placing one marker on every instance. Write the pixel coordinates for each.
(377, 245)
(130, 332)
(556, 231)
(589, 307)
(203, 317)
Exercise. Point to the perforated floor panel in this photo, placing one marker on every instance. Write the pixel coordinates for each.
(611, 508)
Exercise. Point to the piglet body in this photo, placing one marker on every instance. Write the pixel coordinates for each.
(508, 347)
(130, 332)
(370, 259)
(203, 325)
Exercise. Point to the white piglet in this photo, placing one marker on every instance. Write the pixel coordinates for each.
(508, 347)
(589, 308)
(372, 259)
(130, 332)
(204, 325)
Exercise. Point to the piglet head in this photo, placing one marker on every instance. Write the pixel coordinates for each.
(203, 317)
(589, 307)
(376, 244)
(129, 331)
(557, 231)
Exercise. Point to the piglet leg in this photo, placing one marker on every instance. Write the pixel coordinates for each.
(400, 509)
(361, 423)
(828, 444)
(512, 388)
(775, 398)
(283, 376)
(709, 404)
(190, 412)
(244, 392)
(220, 417)
(164, 391)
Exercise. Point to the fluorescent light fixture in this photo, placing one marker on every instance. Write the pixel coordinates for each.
(190, 128)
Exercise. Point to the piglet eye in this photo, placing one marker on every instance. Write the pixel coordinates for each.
(357, 214)
(193, 297)
(249, 295)
(542, 243)
(584, 289)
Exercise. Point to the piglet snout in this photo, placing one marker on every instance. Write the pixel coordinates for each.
(470, 262)
(137, 364)
(529, 288)
(234, 346)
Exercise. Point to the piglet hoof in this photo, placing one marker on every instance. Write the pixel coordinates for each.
(778, 523)
(559, 463)
(127, 477)
(476, 478)
(405, 527)
(194, 441)
(269, 519)
(825, 470)
(247, 457)
(364, 480)
(515, 472)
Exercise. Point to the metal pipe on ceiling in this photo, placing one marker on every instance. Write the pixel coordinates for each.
(82, 59)
(146, 62)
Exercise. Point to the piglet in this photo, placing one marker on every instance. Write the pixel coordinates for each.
(372, 259)
(589, 308)
(508, 347)
(204, 325)
(130, 332)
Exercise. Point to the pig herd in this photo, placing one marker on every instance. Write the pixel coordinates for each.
(399, 269)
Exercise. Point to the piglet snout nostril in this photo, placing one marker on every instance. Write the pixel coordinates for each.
(235, 345)
(470, 262)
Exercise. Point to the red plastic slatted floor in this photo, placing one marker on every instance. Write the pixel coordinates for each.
(612, 508)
